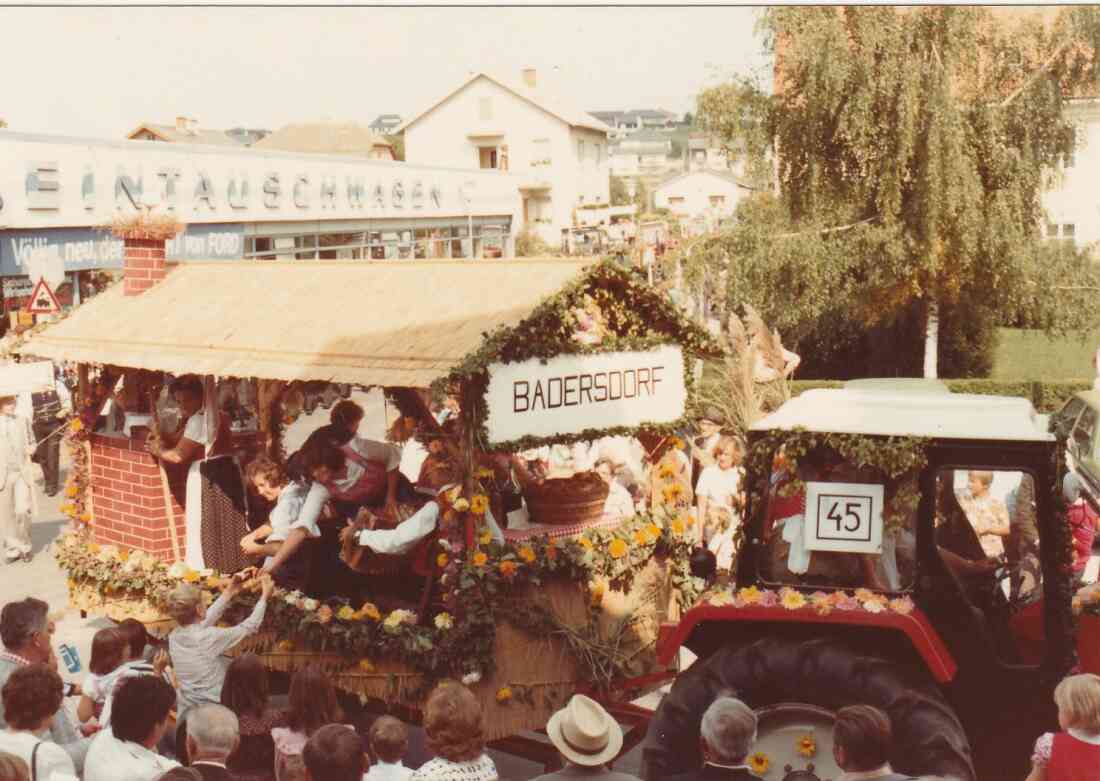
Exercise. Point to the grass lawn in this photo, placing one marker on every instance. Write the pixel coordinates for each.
(1031, 355)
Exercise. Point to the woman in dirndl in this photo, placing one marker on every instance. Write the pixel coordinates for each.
(213, 484)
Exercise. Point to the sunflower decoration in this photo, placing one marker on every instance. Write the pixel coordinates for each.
(759, 763)
(806, 746)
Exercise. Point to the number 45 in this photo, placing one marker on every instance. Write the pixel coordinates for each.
(850, 521)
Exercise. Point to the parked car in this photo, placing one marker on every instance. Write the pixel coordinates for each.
(1077, 421)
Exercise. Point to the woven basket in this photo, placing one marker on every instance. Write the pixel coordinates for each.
(555, 503)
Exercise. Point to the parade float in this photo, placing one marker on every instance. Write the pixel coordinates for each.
(537, 353)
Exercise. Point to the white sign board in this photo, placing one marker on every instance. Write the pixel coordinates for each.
(844, 517)
(571, 393)
(16, 378)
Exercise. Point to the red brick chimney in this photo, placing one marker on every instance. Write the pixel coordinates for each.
(142, 264)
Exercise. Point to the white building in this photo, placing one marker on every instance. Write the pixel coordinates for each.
(1073, 204)
(559, 151)
(644, 153)
(710, 195)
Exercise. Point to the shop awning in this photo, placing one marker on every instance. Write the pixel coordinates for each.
(398, 323)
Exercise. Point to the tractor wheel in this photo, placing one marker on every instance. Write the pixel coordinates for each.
(816, 676)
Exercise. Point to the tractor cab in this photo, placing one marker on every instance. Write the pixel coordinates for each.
(894, 529)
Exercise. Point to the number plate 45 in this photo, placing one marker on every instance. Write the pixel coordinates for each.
(844, 517)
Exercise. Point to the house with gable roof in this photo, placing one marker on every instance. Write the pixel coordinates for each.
(488, 122)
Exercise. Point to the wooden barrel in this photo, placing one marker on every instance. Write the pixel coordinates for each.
(565, 501)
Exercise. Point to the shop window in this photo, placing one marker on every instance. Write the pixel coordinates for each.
(485, 108)
(458, 245)
(487, 156)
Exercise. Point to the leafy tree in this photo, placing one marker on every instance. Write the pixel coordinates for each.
(689, 119)
(398, 142)
(913, 147)
(620, 193)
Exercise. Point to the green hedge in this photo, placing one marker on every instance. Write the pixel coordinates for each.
(1046, 396)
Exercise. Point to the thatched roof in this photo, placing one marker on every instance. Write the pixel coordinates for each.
(388, 323)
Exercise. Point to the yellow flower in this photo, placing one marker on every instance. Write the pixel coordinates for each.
(93, 548)
(365, 666)
(597, 590)
(346, 613)
(461, 505)
(792, 600)
(123, 555)
(441, 560)
(76, 425)
(759, 763)
(504, 694)
(672, 492)
(640, 537)
(285, 645)
(654, 531)
(617, 549)
(444, 621)
(479, 504)
(485, 537)
(507, 568)
(750, 595)
(585, 542)
(190, 576)
(807, 746)
(480, 559)
(677, 526)
(211, 582)
(677, 443)
(70, 491)
(485, 473)
(86, 517)
(527, 554)
(666, 472)
(863, 594)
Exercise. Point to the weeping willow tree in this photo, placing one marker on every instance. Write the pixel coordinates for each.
(911, 148)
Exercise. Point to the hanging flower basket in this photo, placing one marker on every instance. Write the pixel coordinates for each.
(145, 226)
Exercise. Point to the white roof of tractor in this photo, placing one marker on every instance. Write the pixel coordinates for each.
(909, 408)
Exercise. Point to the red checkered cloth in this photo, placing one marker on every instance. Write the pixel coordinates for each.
(555, 532)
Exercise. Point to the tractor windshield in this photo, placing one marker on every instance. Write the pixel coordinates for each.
(830, 523)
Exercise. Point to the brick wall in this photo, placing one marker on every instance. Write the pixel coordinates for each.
(128, 500)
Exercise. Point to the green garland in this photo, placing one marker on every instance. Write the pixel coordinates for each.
(636, 318)
(479, 588)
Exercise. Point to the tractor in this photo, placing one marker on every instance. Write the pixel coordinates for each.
(901, 546)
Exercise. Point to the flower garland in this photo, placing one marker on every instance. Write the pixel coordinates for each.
(632, 317)
(476, 583)
(821, 602)
(78, 482)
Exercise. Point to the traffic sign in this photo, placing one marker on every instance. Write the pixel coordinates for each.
(42, 300)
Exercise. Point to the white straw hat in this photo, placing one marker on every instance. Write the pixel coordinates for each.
(584, 733)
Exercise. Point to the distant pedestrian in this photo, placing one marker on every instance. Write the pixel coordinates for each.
(1074, 754)
(726, 735)
(47, 410)
(16, 484)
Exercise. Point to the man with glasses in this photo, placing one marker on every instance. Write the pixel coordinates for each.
(27, 633)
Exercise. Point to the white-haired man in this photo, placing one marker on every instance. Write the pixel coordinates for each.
(212, 735)
(725, 737)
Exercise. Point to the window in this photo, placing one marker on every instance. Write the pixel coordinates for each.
(1069, 231)
(982, 515)
(487, 157)
(1052, 231)
(580, 151)
(717, 200)
(675, 200)
(485, 108)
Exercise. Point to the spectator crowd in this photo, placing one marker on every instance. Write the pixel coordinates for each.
(190, 714)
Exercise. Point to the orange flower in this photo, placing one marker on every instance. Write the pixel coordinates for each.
(480, 559)
(654, 531)
(508, 568)
(479, 504)
(365, 666)
(641, 537)
(441, 560)
(285, 645)
(527, 554)
(370, 611)
(504, 694)
(71, 491)
(617, 549)
(86, 517)
(190, 576)
(585, 542)
(76, 425)
(123, 555)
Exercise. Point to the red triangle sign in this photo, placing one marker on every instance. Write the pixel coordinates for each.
(42, 300)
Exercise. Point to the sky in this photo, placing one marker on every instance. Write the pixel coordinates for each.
(100, 72)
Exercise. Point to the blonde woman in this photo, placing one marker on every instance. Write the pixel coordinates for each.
(719, 499)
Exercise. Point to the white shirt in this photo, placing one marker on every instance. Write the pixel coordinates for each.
(369, 449)
(719, 485)
(287, 515)
(52, 759)
(387, 771)
(111, 759)
(619, 504)
(196, 651)
(409, 532)
(128, 670)
(196, 429)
